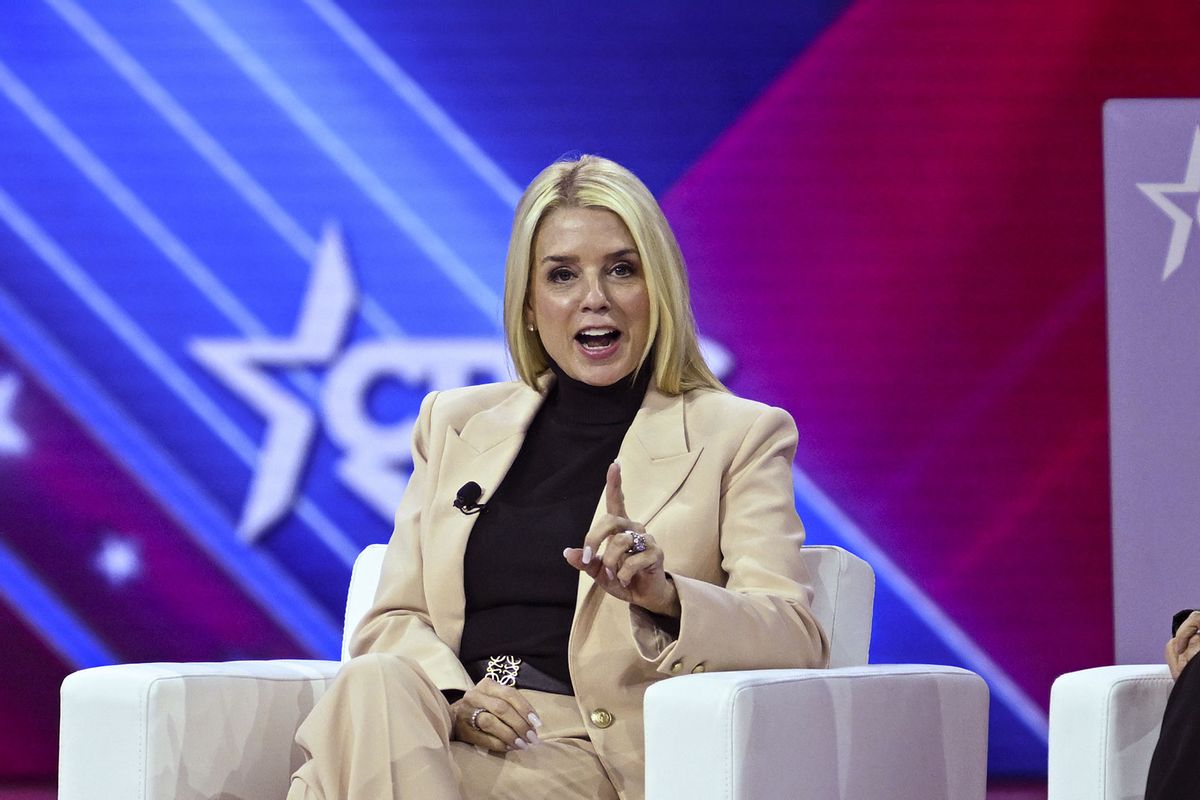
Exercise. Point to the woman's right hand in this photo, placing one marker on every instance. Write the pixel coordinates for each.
(506, 723)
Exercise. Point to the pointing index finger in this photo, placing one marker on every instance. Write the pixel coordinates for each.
(614, 497)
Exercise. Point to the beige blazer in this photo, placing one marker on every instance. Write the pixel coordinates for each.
(708, 473)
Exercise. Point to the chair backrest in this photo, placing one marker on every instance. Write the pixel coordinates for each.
(363, 581)
(843, 598)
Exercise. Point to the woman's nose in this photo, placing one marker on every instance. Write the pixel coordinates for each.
(595, 297)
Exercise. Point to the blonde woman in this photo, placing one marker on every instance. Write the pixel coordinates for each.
(611, 519)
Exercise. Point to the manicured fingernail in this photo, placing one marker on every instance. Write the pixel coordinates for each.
(535, 720)
(587, 554)
(609, 573)
(532, 736)
(520, 744)
(565, 551)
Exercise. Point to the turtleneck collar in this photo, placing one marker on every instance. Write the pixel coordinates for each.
(598, 405)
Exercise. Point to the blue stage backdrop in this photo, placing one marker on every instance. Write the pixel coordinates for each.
(239, 241)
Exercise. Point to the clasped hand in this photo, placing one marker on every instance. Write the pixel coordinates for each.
(636, 578)
(1184, 645)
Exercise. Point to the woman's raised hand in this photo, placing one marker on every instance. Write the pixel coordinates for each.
(496, 717)
(637, 577)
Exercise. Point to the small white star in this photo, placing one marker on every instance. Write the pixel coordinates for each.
(118, 560)
(1157, 192)
(13, 440)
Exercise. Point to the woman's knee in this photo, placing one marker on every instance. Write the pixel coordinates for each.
(389, 672)
(382, 664)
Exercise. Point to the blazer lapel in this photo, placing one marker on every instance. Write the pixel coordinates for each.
(482, 452)
(655, 461)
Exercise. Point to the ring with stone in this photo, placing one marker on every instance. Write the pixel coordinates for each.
(639, 543)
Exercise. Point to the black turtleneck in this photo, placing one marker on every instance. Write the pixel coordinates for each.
(520, 591)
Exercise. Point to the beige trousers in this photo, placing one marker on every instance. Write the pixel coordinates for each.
(382, 732)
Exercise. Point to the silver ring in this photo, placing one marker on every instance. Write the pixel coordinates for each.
(475, 719)
(639, 543)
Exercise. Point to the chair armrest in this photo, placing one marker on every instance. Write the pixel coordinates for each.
(166, 731)
(896, 731)
(1103, 727)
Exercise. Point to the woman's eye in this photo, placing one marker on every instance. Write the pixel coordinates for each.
(560, 275)
(622, 269)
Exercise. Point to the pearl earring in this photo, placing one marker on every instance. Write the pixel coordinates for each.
(531, 327)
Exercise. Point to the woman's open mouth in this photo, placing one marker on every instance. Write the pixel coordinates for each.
(598, 342)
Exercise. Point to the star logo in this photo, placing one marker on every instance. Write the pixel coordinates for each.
(13, 440)
(324, 318)
(1182, 221)
(376, 457)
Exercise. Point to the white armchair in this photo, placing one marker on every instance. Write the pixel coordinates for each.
(225, 730)
(1103, 727)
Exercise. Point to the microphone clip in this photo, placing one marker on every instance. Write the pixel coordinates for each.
(467, 500)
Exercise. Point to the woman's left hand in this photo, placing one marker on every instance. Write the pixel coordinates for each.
(636, 578)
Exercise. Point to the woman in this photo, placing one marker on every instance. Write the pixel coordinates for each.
(584, 579)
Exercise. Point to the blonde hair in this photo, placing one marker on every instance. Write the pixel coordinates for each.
(595, 182)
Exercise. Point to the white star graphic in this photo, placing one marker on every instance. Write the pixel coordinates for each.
(1157, 192)
(119, 560)
(324, 319)
(13, 440)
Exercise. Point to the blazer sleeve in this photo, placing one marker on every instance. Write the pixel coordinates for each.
(761, 617)
(398, 621)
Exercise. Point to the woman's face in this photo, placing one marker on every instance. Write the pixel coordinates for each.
(588, 295)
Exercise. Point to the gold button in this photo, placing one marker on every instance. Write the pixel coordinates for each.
(602, 718)
(698, 668)
(676, 667)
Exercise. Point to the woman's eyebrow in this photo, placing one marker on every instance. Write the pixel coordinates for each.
(623, 253)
